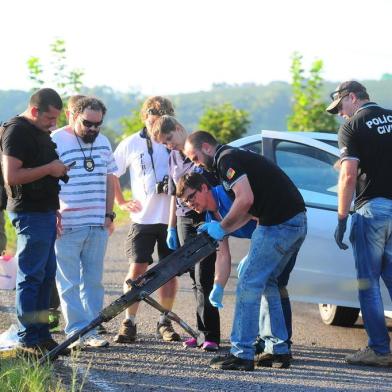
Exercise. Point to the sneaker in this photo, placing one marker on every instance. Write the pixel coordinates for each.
(231, 362)
(50, 344)
(54, 321)
(166, 332)
(367, 356)
(126, 333)
(101, 330)
(259, 345)
(277, 361)
(95, 340)
(210, 346)
(190, 343)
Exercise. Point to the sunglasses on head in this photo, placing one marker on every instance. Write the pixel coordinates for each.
(338, 94)
(156, 112)
(90, 124)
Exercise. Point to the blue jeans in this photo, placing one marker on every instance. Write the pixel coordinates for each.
(371, 237)
(271, 248)
(80, 253)
(264, 322)
(36, 234)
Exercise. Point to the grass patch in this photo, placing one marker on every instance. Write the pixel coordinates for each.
(26, 375)
(122, 217)
(18, 375)
(11, 235)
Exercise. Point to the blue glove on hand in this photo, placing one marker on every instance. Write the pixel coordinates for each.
(339, 233)
(171, 239)
(216, 296)
(214, 229)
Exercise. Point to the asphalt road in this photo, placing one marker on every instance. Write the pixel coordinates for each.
(152, 365)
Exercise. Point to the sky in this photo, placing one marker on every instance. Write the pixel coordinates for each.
(179, 46)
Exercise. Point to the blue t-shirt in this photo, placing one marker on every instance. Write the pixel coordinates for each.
(224, 202)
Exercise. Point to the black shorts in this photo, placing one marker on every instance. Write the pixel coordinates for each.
(141, 242)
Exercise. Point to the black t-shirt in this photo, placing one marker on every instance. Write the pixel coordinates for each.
(34, 147)
(276, 198)
(367, 137)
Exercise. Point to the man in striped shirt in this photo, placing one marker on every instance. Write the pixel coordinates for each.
(86, 207)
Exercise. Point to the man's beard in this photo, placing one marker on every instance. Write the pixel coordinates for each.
(208, 162)
(89, 137)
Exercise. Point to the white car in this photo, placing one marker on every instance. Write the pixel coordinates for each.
(324, 274)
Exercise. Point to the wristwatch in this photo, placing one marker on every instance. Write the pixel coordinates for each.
(111, 215)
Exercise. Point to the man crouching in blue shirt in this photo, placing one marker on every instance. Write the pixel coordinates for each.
(262, 190)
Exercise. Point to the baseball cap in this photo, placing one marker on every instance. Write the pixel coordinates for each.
(342, 91)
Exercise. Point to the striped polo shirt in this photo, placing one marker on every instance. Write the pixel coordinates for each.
(83, 198)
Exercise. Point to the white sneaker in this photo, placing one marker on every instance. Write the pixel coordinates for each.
(95, 340)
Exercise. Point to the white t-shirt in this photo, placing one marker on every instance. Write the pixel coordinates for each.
(132, 153)
(83, 198)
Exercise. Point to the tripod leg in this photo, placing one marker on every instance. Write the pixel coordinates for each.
(174, 317)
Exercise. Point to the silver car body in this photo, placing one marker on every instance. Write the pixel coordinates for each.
(323, 274)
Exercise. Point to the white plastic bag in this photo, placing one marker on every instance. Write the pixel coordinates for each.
(9, 338)
(8, 265)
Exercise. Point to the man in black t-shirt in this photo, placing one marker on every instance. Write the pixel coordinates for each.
(365, 142)
(259, 189)
(31, 171)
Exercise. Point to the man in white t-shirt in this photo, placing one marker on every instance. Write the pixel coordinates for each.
(86, 207)
(149, 208)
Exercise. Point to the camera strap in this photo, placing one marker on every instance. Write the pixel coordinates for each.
(150, 152)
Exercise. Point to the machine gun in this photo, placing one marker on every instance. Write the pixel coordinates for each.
(177, 263)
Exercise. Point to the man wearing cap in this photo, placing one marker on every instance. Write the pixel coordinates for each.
(365, 142)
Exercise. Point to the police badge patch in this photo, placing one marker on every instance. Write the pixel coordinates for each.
(230, 173)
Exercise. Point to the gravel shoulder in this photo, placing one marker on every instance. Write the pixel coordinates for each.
(153, 365)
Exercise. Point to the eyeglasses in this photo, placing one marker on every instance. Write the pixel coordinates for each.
(90, 124)
(190, 197)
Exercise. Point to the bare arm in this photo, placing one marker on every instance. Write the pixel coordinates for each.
(347, 182)
(125, 205)
(15, 174)
(238, 214)
(109, 200)
(172, 214)
(111, 178)
(223, 263)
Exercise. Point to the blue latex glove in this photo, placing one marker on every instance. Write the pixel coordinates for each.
(214, 229)
(240, 266)
(216, 296)
(171, 239)
(339, 233)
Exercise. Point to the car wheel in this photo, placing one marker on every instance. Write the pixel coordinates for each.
(338, 315)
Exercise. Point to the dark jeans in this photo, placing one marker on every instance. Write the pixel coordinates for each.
(202, 276)
(36, 234)
(54, 301)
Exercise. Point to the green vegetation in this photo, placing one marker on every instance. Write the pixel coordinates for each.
(131, 124)
(122, 217)
(11, 235)
(308, 106)
(225, 122)
(27, 376)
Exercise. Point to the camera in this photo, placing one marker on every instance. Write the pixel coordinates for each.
(162, 186)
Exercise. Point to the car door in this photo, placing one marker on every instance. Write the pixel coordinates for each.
(323, 273)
